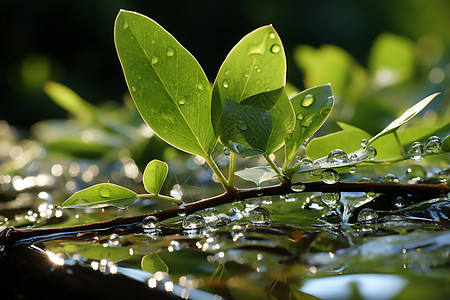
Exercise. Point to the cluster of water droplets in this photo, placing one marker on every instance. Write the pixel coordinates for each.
(417, 150)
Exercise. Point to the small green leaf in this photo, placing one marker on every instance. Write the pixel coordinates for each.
(312, 107)
(255, 65)
(101, 195)
(257, 175)
(152, 263)
(245, 129)
(445, 147)
(154, 175)
(405, 117)
(168, 85)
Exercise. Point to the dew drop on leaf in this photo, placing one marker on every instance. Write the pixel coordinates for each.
(238, 206)
(260, 216)
(330, 176)
(433, 144)
(308, 100)
(258, 70)
(226, 151)
(442, 176)
(150, 222)
(170, 52)
(417, 150)
(154, 59)
(193, 222)
(200, 86)
(352, 169)
(307, 162)
(242, 126)
(225, 83)
(275, 48)
(390, 178)
(372, 152)
(364, 143)
(337, 156)
(181, 211)
(300, 116)
(272, 35)
(399, 202)
(367, 215)
(252, 203)
(181, 100)
(105, 192)
(331, 199)
(133, 89)
(245, 75)
(125, 24)
(299, 187)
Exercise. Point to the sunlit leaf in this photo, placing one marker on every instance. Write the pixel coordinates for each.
(257, 175)
(312, 107)
(152, 263)
(405, 117)
(168, 85)
(445, 147)
(101, 195)
(255, 65)
(154, 175)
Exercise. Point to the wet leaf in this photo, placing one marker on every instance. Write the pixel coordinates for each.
(312, 107)
(152, 263)
(255, 65)
(405, 117)
(445, 147)
(101, 195)
(257, 175)
(168, 85)
(154, 175)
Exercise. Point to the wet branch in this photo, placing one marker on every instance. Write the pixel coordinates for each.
(11, 237)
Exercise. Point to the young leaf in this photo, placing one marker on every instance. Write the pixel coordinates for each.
(312, 107)
(168, 85)
(101, 195)
(256, 64)
(245, 129)
(405, 117)
(152, 263)
(257, 175)
(154, 175)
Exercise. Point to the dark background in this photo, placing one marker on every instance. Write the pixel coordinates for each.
(71, 42)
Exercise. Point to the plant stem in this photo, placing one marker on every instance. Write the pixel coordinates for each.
(399, 144)
(232, 169)
(274, 167)
(216, 170)
(151, 196)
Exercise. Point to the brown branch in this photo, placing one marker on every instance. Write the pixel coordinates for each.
(11, 237)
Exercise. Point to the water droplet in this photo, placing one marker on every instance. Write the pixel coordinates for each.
(221, 220)
(114, 240)
(133, 89)
(331, 199)
(105, 192)
(442, 176)
(300, 116)
(182, 100)
(367, 215)
(275, 48)
(353, 157)
(299, 187)
(308, 100)
(399, 202)
(433, 144)
(365, 180)
(258, 70)
(307, 162)
(416, 172)
(125, 24)
(181, 211)
(260, 216)
(242, 126)
(417, 150)
(226, 151)
(225, 83)
(364, 143)
(352, 169)
(238, 206)
(150, 222)
(373, 153)
(390, 178)
(337, 156)
(245, 75)
(170, 52)
(272, 35)
(193, 222)
(200, 86)
(330, 176)
(252, 203)
(154, 59)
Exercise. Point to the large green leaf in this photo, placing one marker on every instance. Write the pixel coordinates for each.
(154, 175)
(405, 117)
(101, 195)
(168, 85)
(245, 129)
(312, 107)
(153, 263)
(255, 65)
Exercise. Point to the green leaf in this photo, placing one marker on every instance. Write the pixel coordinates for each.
(405, 117)
(255, 65)
(152, 263)
(101, 195)
(312, 107)
(445, 147)
(257, 175)
(282, 114)
(245, 129)
(217, 275)
(391, 60)
(154, 175)
(168, 85)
